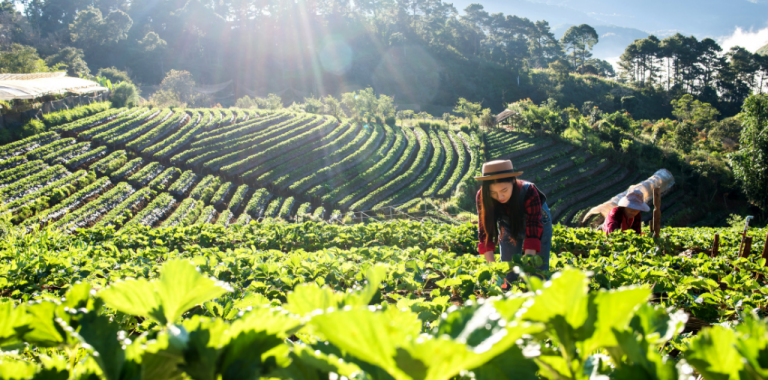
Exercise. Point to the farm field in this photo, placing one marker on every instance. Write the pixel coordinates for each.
(399, 300)
(574, 180)
(227, 166)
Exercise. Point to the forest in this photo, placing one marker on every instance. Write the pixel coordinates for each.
(422, 52)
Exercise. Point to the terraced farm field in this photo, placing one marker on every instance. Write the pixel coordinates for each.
(573, 180)
(180, 167)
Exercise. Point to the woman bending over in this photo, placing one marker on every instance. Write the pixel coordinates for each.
(513, 214)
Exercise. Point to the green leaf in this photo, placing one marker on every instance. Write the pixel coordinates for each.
(12, 369)
(713, 354)
(102, 335)
(14, 319)
(44, 331)
(566, 296)
(179, 288)
(614, 310)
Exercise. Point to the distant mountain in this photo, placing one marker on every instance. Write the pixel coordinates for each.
(701, 18)
(763, 50)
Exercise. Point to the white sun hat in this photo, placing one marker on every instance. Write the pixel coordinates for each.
(634, 200)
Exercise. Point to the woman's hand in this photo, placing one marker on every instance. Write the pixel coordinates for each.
(489, 256)
(530, 251)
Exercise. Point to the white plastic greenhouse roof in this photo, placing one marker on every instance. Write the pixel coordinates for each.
(30, 86)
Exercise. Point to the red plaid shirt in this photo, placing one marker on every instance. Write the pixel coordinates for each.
(534, 228)
(617, 221)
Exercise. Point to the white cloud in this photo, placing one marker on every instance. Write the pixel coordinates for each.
(748, 39)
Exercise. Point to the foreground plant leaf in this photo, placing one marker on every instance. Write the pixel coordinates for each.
(179, 288)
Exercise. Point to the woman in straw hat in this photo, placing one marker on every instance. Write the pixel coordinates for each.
(512, 213)
(627, 214)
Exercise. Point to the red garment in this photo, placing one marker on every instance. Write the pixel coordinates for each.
(618, 221)
(534, 228)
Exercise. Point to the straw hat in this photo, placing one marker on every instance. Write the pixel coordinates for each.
(498, 169)
(634, 200)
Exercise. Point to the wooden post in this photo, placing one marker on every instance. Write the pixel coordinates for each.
(715, 246)
(747, 247)
(765, 256)
(656, 212)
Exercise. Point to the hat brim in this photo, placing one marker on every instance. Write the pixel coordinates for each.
(497, 176)
(635, 206)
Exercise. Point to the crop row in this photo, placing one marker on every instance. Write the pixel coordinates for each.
(73, 201)
(53, 119)
(162, 129)
(182, 137)
(206, 188)
(122, 212)
(238, 130)
(164, 179)
(110, 163)
(381, 162)
(394, 183)
(147, 173)
(338, 139)
(238, 198)
(126, 117)
(47, 149)
(237, 162)
(220, 196)
(186, 214)
(25, 170)
(17, 189)
(127, 168)
(183, 184)
(13, 149)
(448, 165)
(87, 156)
(308, 151)
(460, 167)
(422, 178)
(203, 152)
(256, 206)
(91, 210)
(154, 211)
(348, 166)
(272, 148)
(313, 172)
(72, 181)
(129, 131)
(92, 121)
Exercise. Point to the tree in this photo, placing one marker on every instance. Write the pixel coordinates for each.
(751, 161)
(694, 111)
(125, 94)
(333, 107)
(90, 29)
(580, 40)
(468, 109)
(21, 59)
(71, 58)
(561, 70)
(177, 89)
(114, 75)
(487, 119)
(684, 136)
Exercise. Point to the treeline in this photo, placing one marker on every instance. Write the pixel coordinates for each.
(685, 65)
(422, 52)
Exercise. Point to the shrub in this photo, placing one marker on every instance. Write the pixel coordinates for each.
(390, 120)
(125, 94)
(114, 75)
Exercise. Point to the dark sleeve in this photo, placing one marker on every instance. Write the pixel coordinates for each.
(637, 224)
(612, 223)
(534, 228)
(481, 246)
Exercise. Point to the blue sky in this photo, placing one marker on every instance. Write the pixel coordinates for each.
(731, 22)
